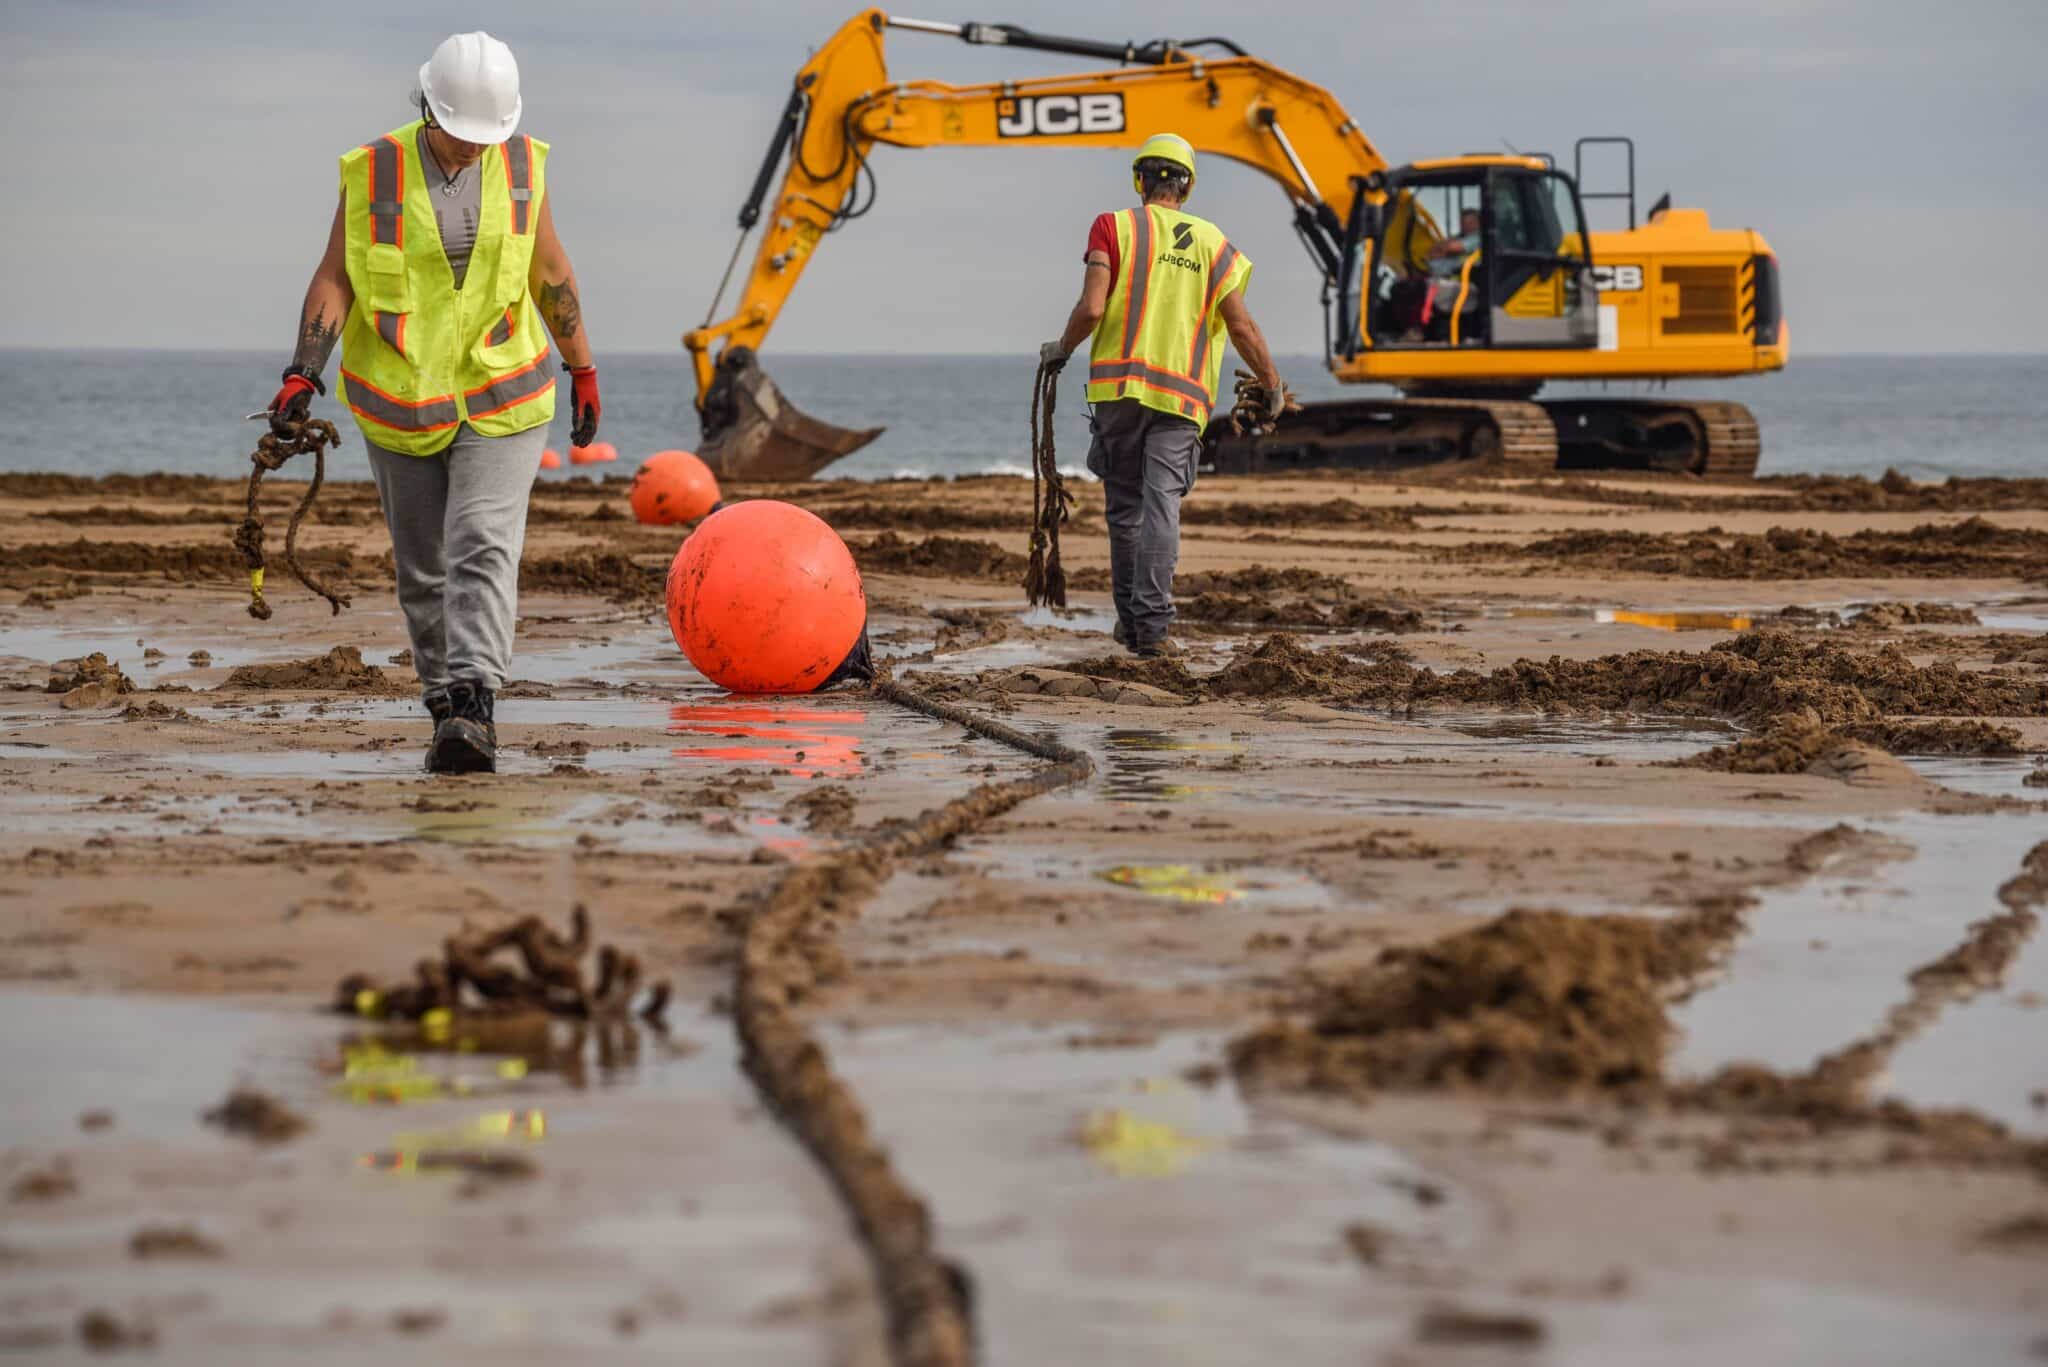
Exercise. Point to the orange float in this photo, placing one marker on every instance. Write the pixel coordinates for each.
(594, 454)
(765, 598)
(551, 459)
(671, 487)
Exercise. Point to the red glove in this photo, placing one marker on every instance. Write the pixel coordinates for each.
(584, 405)
(293, 402)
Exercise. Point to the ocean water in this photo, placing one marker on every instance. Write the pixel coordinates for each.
(99, 412)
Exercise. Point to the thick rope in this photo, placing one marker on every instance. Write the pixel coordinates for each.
(1044, 580)
(928, 1298)
(1248, 412)
(272, 451)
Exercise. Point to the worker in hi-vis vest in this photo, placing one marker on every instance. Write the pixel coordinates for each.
(1161, 290)
(441, 271)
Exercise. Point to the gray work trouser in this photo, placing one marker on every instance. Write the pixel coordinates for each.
(1146, 462)
(458, 522)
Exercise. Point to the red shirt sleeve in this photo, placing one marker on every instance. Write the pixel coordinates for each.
(1102, 238)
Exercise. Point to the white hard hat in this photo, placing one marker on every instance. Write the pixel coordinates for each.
(471, 84)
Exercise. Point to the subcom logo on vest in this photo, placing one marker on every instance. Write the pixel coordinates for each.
(1059, 116)
(1183, 239)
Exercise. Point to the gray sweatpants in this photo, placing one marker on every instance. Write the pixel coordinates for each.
(1146, 462)
(458, 522)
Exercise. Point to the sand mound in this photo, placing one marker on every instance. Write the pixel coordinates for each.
(938, 556)
(1973, 548)
(1794, 744)
(1751, 678)
(1259, 610)
(1535, 1002)
(191, 561)
(606, 574)
(340, 670)
(93, 681)
(1884, 616)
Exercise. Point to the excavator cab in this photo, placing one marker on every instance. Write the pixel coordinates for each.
(1468, 252)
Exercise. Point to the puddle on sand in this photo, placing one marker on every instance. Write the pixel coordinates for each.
(1162, 766)
(1822, 962)
(667, 1187)
(1113, 1212)
(806, 742)
(1988, 777)
(1674, 621)
(1214, 887)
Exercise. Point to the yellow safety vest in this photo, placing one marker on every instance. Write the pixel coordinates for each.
(1160, 340)
(419, 357)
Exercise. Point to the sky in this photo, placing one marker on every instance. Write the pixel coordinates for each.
(171, 174)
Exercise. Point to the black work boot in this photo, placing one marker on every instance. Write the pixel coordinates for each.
(466, 741)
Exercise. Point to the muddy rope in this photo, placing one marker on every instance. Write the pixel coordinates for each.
(1248, 410)
(1044, 580)
(927, 1297)
(312, 435)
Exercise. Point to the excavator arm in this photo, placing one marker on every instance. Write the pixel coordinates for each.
(842, 104)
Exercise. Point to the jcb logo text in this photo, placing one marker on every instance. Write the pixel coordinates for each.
(1058, 116)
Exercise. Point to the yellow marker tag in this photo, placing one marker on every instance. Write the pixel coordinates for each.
(256, 581)
(369, 1002)
(1130, 1147)
(1176, 881)
(512, 1069)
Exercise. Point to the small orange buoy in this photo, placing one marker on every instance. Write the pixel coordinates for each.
(551, 459)
(765, 598)
(671, 487)
(594, 454)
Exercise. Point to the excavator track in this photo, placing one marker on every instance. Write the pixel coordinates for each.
(1510, 435)
(1712, 439)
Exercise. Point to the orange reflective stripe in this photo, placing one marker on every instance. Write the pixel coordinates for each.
(387, 191)
(365, 400)
(1140, 270)
(1180, 386)
(519, 181)
(391, 327)
(502, 332)
(529, 381)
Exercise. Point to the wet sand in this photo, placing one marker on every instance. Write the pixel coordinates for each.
(1556, 921)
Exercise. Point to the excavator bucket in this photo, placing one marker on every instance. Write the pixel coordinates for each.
(753, 433)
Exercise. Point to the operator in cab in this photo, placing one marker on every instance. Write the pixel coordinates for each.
(1162, 288)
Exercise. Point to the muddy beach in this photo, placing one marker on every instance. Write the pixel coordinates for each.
(1570, 920)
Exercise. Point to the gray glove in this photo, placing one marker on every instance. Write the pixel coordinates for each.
(1051, 354)
(1276, 401)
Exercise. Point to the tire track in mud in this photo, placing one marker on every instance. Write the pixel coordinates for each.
(786, 952)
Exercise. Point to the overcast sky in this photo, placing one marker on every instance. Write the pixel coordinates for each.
(170, 171)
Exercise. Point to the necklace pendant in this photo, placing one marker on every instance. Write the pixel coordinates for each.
(449, 189)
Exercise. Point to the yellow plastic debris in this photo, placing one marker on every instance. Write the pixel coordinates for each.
(1130, 1147)
(1177, 881)
(1676, 621)
(369, 1002)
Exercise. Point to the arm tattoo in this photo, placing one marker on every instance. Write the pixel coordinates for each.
(316, 340)
(559, 306)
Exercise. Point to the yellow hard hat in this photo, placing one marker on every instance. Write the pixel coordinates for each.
(1165, 147)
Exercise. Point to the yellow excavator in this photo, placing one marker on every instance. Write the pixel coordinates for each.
(1468, 333)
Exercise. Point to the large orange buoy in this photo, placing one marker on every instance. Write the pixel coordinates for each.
(765, 598)
(594, 454)
(673, 486)
(551, 459)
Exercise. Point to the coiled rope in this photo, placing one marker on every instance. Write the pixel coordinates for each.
(1044, 579)
(312, 435)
